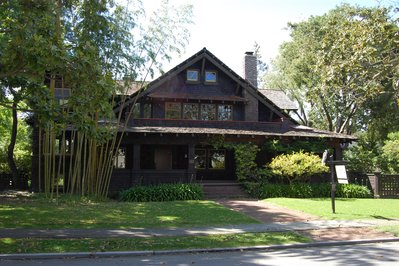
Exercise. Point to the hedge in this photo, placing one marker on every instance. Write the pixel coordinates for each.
(162, 192)
(302, 190)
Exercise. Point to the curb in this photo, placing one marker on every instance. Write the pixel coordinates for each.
(111, 254)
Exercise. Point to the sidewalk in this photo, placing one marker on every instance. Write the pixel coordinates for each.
(195, 231)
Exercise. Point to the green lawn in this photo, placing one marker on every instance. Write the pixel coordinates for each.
(42, 214)
(390, 229)
(9, 245)
(349, 209)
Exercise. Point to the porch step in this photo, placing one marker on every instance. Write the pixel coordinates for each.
(222, 190)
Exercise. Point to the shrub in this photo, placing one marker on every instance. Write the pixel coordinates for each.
(162, 192)
(353, 191)
(302, 190)
(297, 166)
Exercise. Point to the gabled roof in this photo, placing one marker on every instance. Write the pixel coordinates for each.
(279, 98)
(205, 54)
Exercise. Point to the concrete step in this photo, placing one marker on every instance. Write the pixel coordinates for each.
(218, 190)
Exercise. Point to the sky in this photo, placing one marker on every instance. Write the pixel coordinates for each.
(229, 28)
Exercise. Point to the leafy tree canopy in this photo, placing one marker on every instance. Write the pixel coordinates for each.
(338, 64)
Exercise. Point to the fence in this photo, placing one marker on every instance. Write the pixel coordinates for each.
(384, 186)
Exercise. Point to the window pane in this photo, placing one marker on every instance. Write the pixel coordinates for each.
(200, 159)
(136, 110)
(216, 159)
(192, 75)
(225, 112)
(120, 158)
(172, 110)
(210, 76)
(147, 110)
(190, 111)
(208, 112)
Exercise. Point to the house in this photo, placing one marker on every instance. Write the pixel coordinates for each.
(174, 119)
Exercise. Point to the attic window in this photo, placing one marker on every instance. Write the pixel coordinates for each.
(192, 75)
(210, 76)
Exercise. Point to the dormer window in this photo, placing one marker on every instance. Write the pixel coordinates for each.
(192, 75)
(210, 76)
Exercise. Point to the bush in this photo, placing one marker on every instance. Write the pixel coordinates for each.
(297, 166)
(353, 191)
(302, 190)
(162, 192)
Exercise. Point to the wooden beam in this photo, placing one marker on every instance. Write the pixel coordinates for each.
(203, 68)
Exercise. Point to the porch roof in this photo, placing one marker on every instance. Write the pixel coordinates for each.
(292, 131)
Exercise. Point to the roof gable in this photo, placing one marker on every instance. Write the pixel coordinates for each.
(199, 59)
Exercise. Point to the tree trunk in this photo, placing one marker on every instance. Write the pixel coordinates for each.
(10, 152)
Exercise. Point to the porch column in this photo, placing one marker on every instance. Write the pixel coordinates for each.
(136, 164)
(191, 175)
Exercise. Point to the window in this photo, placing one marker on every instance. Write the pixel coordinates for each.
(147, 110)
(136, 110)
(190, 111)
(209, 159)
(172, 110)
(210, 76)
(200, 159)
(120, 158)
(192, 75)
(208, 112)
(225, 112)
(216, 159)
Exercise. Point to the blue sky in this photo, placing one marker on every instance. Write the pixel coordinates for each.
(229, 28)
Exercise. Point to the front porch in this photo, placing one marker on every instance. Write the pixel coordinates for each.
(150, 159)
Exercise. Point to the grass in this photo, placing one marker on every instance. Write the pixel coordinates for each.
(390, 229)
(346, 209)
(41, 213)
(10, 245)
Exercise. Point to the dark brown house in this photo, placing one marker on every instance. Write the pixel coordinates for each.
(176, 116)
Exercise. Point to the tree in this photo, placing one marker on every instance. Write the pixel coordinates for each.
(338, 64)
(297, 166)
(390, 153)
(85, 47)
(25, 31)
(261, 65)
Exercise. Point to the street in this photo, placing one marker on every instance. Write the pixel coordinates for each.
(367, 254)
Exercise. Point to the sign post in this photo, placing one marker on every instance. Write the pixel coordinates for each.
(336, 167)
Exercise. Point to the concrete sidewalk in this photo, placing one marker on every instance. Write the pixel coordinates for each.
(196, 231)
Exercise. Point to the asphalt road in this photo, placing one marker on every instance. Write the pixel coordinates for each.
(366, 254)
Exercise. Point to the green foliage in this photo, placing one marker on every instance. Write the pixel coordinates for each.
(22, 152)
(297, 166)
(245, 156)
(301, 190)
(352, 191)
(363, 156)
(390, 153)
(162, 192)
(338, 64)
(370, 154)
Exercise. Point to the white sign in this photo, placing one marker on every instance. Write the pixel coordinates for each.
(341, 174)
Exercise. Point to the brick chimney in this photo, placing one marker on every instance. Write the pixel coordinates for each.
(250, 68)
